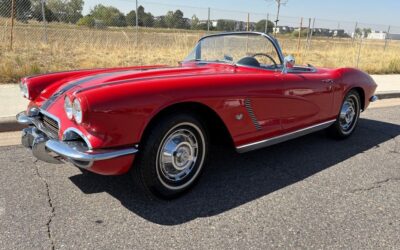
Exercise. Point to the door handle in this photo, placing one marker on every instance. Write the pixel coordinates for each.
(330, 81)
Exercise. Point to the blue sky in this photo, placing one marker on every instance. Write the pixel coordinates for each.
(330, 13)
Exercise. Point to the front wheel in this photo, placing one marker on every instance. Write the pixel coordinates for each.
(172, 156)
(347, 118)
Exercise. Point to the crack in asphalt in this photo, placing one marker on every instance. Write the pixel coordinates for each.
(50, 203)
(396, 149)
(375, 185)
(393, 137)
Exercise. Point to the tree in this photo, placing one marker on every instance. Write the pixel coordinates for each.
(176, 20)
(108, 15)
(22, 8)
(194, 24)
(144, 19)
(87, 21)
(169, 19)
(37, 12)
(358, 32)
(159, 22)
(260, 26)
(362, 33)
(179, 21)
(131, 18)
(366, 31)
(67, 11)
(303, 33)
(226, 25)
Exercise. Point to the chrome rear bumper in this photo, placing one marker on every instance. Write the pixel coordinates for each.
(47, 148)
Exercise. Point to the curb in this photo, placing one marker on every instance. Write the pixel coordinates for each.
(388, 95)
(9, 124)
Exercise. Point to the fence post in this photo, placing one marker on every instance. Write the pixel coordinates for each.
(387, 38)
(308, 35)
(311, 34)
(12, 24)
(308, 30)
(266, 24)
(298, 40)
(248, 22)
(208, 20)
(359, 52)
(354, 33)
(44, 21)
(137, 24)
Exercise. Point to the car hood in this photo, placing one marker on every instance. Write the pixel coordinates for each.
(89, 80)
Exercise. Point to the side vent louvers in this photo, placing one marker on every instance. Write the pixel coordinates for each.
(249, 108)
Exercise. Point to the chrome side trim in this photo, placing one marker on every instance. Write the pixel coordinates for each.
(284, 137)
(249, 108)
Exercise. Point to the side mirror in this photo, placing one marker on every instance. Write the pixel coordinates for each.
(288, 63)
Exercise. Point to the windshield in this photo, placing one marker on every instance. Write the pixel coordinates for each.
(242, 49)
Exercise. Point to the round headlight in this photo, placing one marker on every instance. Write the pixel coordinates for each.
(24, 89)
(77, 111)
(68, 107)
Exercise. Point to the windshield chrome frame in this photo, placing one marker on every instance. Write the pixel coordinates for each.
(268, 37)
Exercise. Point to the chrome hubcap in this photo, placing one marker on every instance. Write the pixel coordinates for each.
(348, 114)
(179, 153)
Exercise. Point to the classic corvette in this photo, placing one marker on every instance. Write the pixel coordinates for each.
(157, 122)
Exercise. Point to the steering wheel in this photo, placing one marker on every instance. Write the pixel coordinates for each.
(266, 55)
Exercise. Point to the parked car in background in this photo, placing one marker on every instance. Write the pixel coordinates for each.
(157, 122)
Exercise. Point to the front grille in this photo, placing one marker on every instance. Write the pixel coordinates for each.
(50, 124)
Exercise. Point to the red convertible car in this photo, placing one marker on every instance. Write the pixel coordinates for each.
(157, 121)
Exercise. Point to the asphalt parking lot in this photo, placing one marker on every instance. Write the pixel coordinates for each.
(312, 192)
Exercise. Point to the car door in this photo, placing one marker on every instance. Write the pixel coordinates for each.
(308, 98)
(265, 102)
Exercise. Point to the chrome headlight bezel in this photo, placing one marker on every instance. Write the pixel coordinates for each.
(24, 89)
(77, 111)
(68, 107)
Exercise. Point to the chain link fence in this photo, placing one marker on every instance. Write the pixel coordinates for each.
(50, 35)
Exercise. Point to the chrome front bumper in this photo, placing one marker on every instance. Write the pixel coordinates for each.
(47, 148)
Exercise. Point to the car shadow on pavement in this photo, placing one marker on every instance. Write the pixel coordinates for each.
(233, 179)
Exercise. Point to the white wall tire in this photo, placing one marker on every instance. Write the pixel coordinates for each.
(172, 156)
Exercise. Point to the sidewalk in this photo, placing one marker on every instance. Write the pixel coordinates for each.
(11, 101)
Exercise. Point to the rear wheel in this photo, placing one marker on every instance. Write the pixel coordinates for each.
(347, 119)
(172, 156)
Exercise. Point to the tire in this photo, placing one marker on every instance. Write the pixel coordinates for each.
(171, 156)
(347, 119)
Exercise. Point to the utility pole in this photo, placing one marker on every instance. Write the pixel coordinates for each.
(387, 38)
(298, 40)
(12, 24)
(208, 20)
(248, 22)
(137, 24)
(43, 2)
(278, 2)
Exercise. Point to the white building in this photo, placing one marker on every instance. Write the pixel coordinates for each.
(380, 35)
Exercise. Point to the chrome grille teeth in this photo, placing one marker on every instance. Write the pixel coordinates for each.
(51, 124)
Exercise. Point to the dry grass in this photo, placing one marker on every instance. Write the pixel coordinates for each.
(71, 47)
